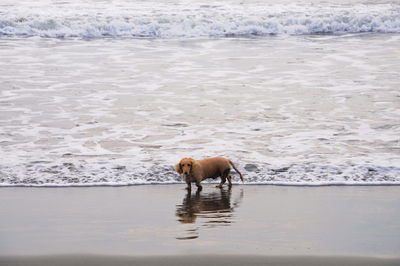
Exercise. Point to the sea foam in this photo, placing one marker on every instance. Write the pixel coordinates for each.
(186, 20)
(123, 172)
(308, 110)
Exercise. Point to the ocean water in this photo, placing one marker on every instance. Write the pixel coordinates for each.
(117, 92)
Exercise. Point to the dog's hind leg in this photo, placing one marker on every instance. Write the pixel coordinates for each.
(199, 187)
(223, 180)
(229, 180)
(224, 176)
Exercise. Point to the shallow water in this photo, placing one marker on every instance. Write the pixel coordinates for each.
(287, 109)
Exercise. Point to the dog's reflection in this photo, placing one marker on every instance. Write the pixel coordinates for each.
(212, 209)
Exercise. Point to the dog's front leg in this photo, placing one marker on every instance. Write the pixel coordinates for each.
(189, 185)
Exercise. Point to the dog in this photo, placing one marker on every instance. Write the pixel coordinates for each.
(197, 171)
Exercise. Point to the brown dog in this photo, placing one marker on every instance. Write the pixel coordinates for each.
(197, 171)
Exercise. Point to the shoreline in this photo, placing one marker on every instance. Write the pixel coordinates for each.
(277, 184)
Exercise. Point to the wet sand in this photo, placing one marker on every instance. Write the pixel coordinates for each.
(98, 260)
(146, 225)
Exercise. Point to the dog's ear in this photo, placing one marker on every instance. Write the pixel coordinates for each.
(193, 163)
(178, 168)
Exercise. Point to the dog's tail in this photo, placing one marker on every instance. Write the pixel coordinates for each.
(234, 167)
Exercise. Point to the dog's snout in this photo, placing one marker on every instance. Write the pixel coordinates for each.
(186, 173)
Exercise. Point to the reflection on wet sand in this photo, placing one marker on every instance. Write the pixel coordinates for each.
(212, 208)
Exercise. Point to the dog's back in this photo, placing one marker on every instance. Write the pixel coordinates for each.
(214, 167)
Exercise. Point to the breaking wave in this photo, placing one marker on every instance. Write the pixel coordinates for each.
(181, 20)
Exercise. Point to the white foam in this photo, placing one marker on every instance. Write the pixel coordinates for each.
(97, 172)
(314, 110)
(127, 19)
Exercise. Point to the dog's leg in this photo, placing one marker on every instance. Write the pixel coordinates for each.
(199, 187)
(189, 186)
(223, 180)
(229, 180)
(224, 176)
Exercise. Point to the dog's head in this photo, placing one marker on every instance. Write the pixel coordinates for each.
(185, 166)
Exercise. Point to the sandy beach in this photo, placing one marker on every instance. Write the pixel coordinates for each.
(150, 224)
